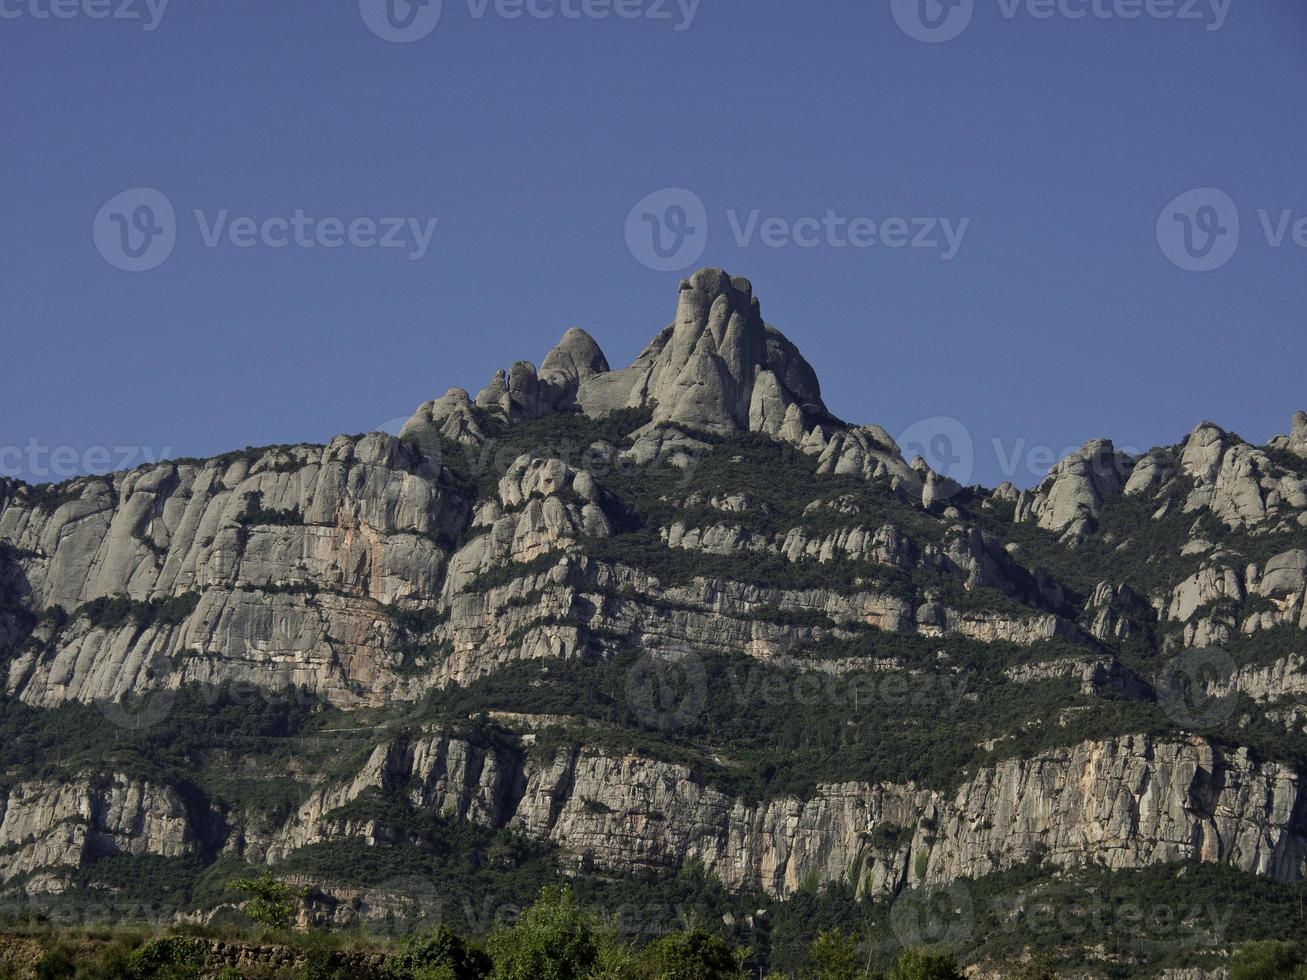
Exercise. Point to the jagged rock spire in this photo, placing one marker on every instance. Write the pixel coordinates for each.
(717, 367)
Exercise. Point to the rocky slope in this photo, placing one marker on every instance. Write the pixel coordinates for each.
(563, 543)
(1124, 803)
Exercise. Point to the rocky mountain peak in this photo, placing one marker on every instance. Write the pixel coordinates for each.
(719, 367)
(1203, 451)
(451, 417)
(706, 372)
(1072, 495)
(576, 357)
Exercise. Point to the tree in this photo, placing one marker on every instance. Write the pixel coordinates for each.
(552, 941)
(834, 956)
(439, 953)
(615, 958)
(922, 964)
(166, 958)
(693, 955)
(272, 902)
(1268, 960)
(57, 964)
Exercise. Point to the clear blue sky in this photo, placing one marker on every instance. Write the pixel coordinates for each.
(1062, 140)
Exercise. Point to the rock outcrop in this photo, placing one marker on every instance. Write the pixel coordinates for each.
(1237, 482)
(288, 556)
(717, 367)
(1219, 602)
(1072, 496)
(51, 829)
(1127, 803)
(1296, 441)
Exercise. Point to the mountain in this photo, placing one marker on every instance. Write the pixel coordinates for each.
(624, 623)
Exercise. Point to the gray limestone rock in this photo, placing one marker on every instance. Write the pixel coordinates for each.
(717, 367)
(1296, 441)
(1072, 495)
(1237, 482)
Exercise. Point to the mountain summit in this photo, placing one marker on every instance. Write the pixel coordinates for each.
(717, 368)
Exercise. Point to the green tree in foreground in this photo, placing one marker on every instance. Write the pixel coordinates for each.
(166, 958)
(692, 955)
(1268, 960)
(440, 953)
(553, 940)
(834, 957)
(922, 964)
(56, 964)
(272, 902)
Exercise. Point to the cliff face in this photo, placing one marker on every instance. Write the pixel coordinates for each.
(289, 556)
(292, 558)
(1124, 803)
(701, 503)
(48, 828)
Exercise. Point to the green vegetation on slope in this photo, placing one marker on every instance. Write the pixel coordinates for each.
(1033, 921)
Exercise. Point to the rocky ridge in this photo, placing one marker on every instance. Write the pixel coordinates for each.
(378, 571)
(1126, 803)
